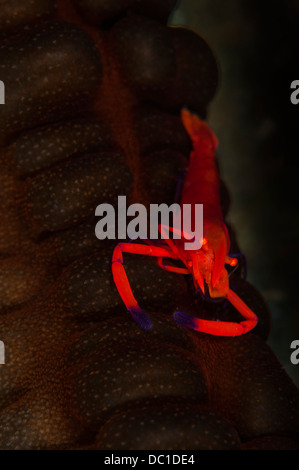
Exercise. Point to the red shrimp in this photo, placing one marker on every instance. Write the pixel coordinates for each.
(207, 263)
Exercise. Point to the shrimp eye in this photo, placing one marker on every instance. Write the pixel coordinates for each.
(204, 241)
(231, 261)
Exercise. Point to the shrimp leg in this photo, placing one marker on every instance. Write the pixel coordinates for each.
(221, 328)
(121, 279)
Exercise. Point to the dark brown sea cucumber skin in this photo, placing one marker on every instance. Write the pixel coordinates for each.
(92, 112)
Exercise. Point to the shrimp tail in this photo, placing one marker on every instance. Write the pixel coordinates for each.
(198, 130)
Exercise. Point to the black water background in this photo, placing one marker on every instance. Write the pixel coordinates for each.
(257, 46)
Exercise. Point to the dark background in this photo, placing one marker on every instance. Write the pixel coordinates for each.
(256, 44)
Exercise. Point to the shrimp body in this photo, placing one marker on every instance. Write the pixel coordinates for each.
(202, 186)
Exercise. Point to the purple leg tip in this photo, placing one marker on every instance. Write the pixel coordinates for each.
(185, 319)
(140, 317)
